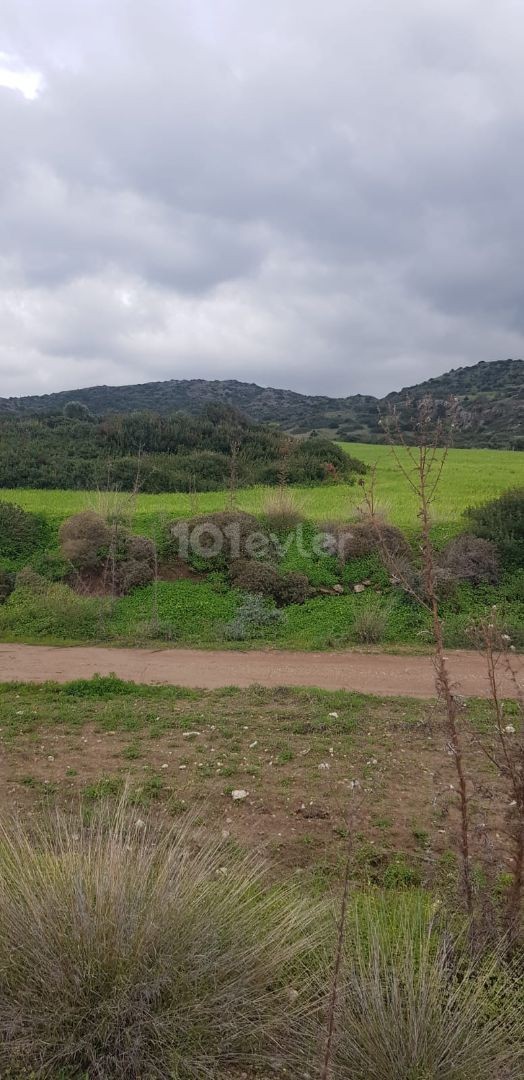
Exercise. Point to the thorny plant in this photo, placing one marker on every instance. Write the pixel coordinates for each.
(504, 747)
(421, 464)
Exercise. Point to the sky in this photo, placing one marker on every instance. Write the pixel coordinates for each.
(325, 195)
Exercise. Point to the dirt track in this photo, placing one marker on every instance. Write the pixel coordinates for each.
(371, 673)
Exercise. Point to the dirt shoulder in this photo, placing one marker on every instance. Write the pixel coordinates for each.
(371, 673)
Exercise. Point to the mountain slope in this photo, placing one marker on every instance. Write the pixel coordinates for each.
(490, 395)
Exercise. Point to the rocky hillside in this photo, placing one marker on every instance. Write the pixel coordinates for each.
(490, 395)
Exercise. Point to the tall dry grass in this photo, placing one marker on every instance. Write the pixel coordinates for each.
(131, 954)
(282, 509)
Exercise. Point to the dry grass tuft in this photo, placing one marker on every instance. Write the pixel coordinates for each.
(282, 510)
(415, 1003)
(130, 954)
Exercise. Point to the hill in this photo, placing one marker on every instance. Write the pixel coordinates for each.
(490, 396)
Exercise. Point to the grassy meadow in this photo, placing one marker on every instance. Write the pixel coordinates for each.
(470, 477)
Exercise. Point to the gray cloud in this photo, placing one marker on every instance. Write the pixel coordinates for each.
(322, 196)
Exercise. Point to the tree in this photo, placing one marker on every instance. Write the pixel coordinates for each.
(76, 410)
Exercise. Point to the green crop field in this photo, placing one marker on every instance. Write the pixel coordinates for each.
(470, 477)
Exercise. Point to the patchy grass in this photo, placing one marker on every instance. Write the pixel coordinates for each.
(297, 752)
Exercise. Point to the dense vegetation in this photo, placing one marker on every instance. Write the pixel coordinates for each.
(158, 453)
(490, 399)
(470, 478)
(274, 577)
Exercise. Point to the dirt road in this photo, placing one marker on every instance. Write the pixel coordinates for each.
(370, 673)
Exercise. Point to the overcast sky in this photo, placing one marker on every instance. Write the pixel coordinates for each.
(325, 195)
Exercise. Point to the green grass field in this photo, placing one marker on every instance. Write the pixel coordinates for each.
(470, 477)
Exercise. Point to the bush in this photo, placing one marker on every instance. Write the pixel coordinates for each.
(21, 533)
(140, 549)
(367, 568)
(502, 522)
(317, 460)
(408, 577)
(51, 565)
(252, 576)
(370, 622)
(217, 538)
(470, 558)
(127, 561)
(367, 538)
(414, 1003)
(30, 579)
(131, 574)
(252, 619)
(129, 952)
(76, 410)
(292, 588)
(85, 539)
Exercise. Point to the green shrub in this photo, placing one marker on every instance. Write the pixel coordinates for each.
(366, 568)
(502, 522)
(76, 410)
(51, 565)
(253, 618)
(127, 951)
(7, 584)
(21, 533)
(470, 558)
(156, 630)
(217, 538)
(27, 578)
(100, 686)
(316, 460)
(252, 576)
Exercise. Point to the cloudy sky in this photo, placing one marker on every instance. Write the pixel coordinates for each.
(325, 195)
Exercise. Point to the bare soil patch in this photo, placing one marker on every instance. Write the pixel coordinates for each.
(306, 759)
